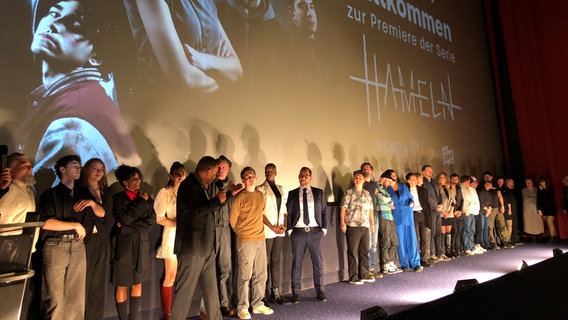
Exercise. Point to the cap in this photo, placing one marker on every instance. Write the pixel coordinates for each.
(472, 179)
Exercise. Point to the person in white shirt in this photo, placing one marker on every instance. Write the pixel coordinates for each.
(470, 209)
(17, 198)
(275, 221)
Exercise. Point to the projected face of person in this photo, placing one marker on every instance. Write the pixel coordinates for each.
(304, 16)
(249, 5)
(58, 38)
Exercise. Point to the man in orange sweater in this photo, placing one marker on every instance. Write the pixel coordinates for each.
(247, 221)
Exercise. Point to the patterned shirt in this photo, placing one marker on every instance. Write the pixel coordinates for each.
(385, 201)
(358, 207)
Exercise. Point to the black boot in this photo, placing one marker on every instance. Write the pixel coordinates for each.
(448, 245)
(277, 297)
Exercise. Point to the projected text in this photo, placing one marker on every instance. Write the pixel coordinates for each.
(404, 92)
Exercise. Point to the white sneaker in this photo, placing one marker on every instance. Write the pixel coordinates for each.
(243, 314)
(443, 257)
(262, 310)
(469, 252)
(478, 250)
(392, 269)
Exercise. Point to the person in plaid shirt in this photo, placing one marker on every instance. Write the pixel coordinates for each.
(387, 229)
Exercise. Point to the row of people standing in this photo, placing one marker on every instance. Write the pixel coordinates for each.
(75, 210)
(423, 221)
(76, 237)
(539, 209)
(259, 217)
(74, 249)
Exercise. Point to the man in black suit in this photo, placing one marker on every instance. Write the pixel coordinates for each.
(195, 240)
(307, 225)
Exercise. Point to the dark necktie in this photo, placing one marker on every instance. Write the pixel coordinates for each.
(306, 215)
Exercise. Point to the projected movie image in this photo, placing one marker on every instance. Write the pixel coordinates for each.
(323, 84)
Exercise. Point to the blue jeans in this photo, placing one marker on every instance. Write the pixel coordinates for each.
(484, 230)
(468, 232)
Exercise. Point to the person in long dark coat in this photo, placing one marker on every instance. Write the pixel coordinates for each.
(133, 211)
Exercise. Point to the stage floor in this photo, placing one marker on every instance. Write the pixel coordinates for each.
(402, 291)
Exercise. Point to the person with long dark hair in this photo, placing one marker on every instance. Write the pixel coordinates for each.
(97, 243)
(133, 211)
(165, 207)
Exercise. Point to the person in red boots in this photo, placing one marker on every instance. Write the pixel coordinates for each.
(165, 207)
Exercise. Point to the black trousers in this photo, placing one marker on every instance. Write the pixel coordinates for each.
(357, 251)
(98, 255)
(302, 241)
(456, 234)
(273, 258)
(435, 231)
(422, 235)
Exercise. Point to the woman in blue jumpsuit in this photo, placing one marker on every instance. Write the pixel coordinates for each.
(404, 222)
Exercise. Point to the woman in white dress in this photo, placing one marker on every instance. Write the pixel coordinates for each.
(532, 220)
(165, 207)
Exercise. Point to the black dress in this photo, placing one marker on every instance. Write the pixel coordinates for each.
(131, 258)
(545, 202)
(98, 249)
